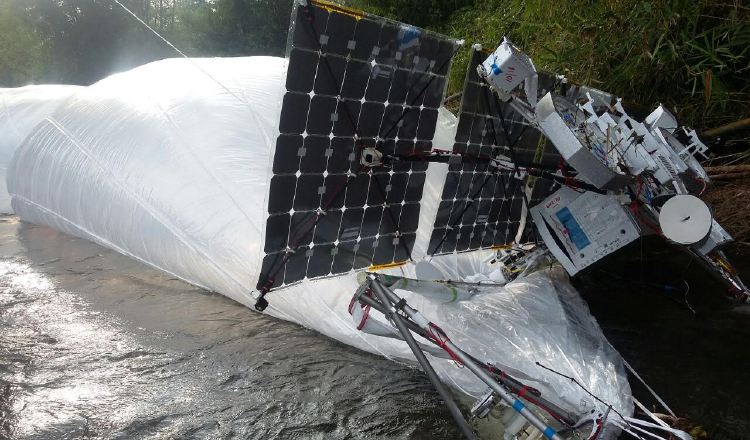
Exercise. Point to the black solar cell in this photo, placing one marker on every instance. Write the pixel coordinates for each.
(481, 207)
(353, 81)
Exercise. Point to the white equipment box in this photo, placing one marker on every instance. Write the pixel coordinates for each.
(580, 228)
(558, 126)
(508, 67)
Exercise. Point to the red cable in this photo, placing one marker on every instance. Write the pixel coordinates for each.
(441, 342)
(634, 209)
(365, 315)
(599, 426)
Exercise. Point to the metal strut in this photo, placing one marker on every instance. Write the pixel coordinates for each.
(515, 386)
(388, 298)
(400, 324)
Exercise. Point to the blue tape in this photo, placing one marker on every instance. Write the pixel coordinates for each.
(549, 432)
(518, 405)
(495, 69)
(410, 34)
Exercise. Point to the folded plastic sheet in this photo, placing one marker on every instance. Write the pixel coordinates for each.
(538, 318)
(169, 163)
(21, 109)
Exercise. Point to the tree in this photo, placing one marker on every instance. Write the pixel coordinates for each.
(91, 39)
(233, 27)
(85, 40)
(22, 53)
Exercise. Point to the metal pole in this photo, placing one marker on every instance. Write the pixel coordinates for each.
(508, 398)
(398, 320)
(507, 380)
(382, 309)
(386, 294)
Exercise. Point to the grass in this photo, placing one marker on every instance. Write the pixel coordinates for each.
(693, 56)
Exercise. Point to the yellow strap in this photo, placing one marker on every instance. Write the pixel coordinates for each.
(332, 7)
(502, 246)
(374, 268)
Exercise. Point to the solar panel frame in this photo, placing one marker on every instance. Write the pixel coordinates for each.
(354, 81)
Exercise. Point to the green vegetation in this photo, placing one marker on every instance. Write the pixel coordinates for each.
(82, 41)
(693, 55)
(21, 49)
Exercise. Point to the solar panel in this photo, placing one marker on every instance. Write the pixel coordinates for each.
(481, 207)
(354, 81)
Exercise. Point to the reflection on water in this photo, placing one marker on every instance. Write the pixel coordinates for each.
(96, 345)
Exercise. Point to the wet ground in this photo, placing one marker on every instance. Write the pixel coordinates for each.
(95, 345)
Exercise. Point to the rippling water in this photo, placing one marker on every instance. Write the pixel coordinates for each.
(95, 345)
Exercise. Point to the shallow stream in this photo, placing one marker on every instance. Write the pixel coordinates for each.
(96, 345)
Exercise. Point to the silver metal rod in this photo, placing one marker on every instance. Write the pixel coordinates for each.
(507, 397)
(507, 380)
(400, 323)
(524, 109)
(386, 295)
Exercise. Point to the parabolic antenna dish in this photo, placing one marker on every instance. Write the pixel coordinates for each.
(685, 219)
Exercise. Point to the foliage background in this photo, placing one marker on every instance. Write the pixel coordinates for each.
(693, 55)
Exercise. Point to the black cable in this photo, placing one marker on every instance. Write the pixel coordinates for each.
(515, 386)
(575, 381)
(513, 158)
(394, 222)
(350, 116)
(275, 266)
(261, 303)
(324, 56)
(511, 144)
(419, 95)
(393, 127)
(395, 124)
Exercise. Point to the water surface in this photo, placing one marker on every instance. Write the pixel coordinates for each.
(94, 345)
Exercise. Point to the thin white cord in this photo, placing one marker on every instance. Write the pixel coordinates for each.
(253, 115)
(673, 432)
(150, 28)
(653, 393)
(191, 61)
(649, 413)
